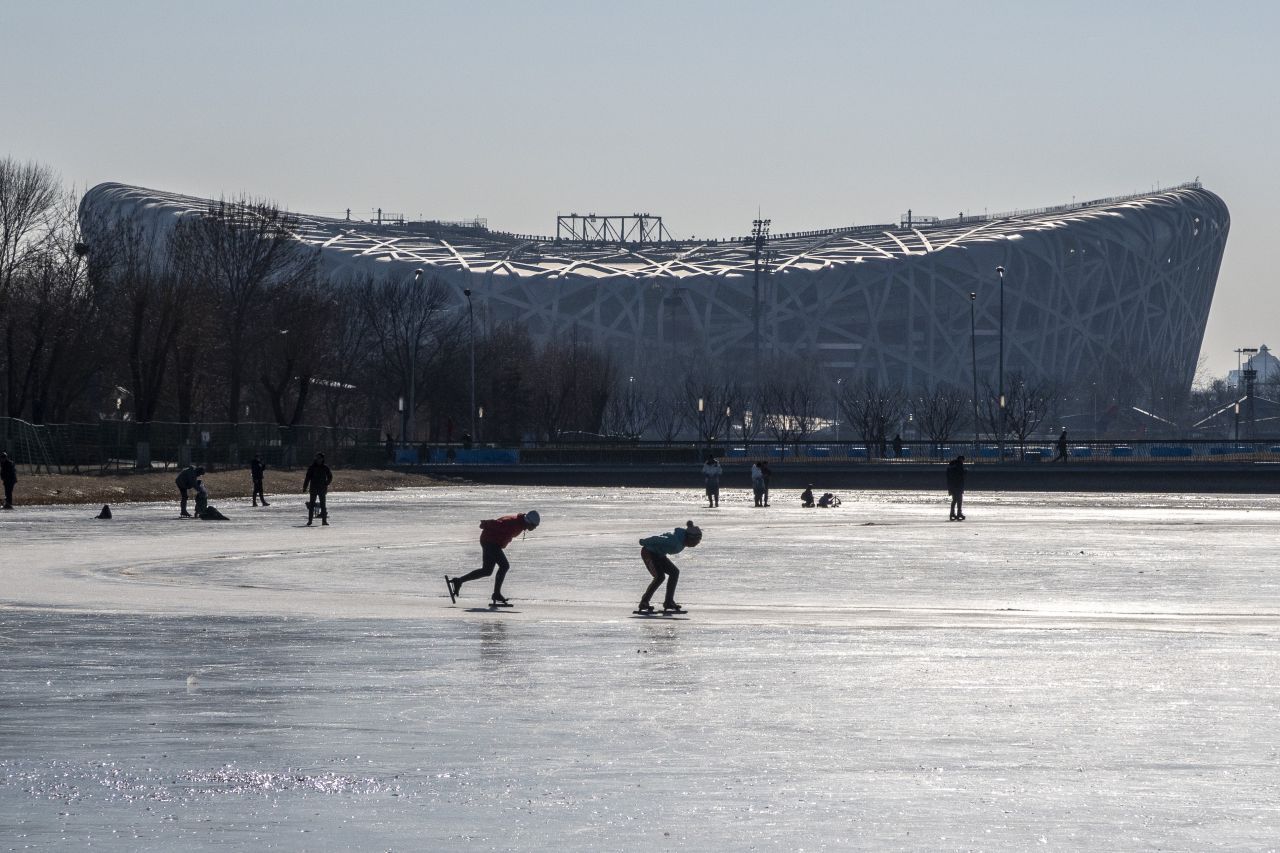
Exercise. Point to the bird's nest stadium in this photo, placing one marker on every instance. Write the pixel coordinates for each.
(1084, 288)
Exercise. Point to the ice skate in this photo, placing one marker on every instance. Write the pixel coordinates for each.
(644, 610)
(499, 601)
(672, 607)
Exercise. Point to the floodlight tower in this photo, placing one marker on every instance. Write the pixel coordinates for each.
(759, 237)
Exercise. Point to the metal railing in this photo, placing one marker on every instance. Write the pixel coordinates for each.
(120, 445)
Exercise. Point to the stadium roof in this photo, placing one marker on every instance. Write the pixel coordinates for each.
(481, 251)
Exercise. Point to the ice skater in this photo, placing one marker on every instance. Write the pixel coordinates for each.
(655, 552)
(955, 487)
(711, 472)
(256, 471)
(316, 485)
(806, 497)
(760, 483)
(495, 535)
(186, 481)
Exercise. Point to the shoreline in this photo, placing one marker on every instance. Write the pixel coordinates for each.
(143, 487)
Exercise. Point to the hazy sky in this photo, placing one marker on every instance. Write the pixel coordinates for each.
(819, 114)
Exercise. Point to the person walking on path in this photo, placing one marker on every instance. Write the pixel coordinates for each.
(711, 472)
(1062, 446)
(186, 481)
(495, 535)
(656, 553)
(256, 470)
(897, 446)
(8, 476)
(316, 485)
(955, 487)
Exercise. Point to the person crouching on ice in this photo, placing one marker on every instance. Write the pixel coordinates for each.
(656, 551)
(496, 534)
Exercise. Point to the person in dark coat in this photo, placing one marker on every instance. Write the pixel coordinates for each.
(256, 469)
(955, 487)
(316, 485)
(711, 472)
(897, 446)
(8, 476)
(1062, 446)
(806, 497)
(186, 481)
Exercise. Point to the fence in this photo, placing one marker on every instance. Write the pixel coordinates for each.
(112, 445)
(1100, 452)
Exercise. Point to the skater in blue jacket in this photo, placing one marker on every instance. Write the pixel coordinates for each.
(656, 552)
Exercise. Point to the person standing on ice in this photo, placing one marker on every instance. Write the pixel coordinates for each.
(757, 482)
(9, 477)
(316, 485)
(656, 553)
(495, 535)
(955, 487)
(711, 472)
(256, 470)
(186, 481)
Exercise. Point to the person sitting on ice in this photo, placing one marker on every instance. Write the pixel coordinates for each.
(828, 500)
(202, 498)
(806, 497)
(655, 553)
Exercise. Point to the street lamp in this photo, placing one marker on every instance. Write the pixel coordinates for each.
(835, 410)
(973, 352)
(1000, 440)
(471, 338)
(413, 373)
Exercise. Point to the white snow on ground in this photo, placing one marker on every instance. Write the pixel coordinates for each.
(1057, 672)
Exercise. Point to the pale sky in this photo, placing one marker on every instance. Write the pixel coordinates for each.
(817, 114)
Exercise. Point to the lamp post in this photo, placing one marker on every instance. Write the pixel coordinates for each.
(1237, 421)
(973, 352)
(411, 419)
(1000, 441)
(471, 339)
(835, 410)
(481, 425)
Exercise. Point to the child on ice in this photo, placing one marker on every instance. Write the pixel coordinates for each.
(496, 535)
(656, 552)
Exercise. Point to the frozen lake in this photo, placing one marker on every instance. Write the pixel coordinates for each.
(1058, 672)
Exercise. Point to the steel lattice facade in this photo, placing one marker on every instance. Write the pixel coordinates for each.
(1087, 286)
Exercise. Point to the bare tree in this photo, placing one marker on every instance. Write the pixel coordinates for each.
(790, 400)
(142, 291)
(240, 251)
(29, 194)
(939, 410)
(872, 408)
(297, 346)
(630, 411)
(408, 325)
(708, 405)
(571, 387)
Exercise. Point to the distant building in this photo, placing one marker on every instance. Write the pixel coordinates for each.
(1266, 365)
(1090, 289)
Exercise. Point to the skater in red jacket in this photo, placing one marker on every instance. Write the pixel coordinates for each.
(496, 535)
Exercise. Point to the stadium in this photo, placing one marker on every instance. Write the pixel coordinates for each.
(1086, 289)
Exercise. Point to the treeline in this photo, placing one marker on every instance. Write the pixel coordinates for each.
(226, 316)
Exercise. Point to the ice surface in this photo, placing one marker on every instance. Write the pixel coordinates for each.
(1057, 672)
